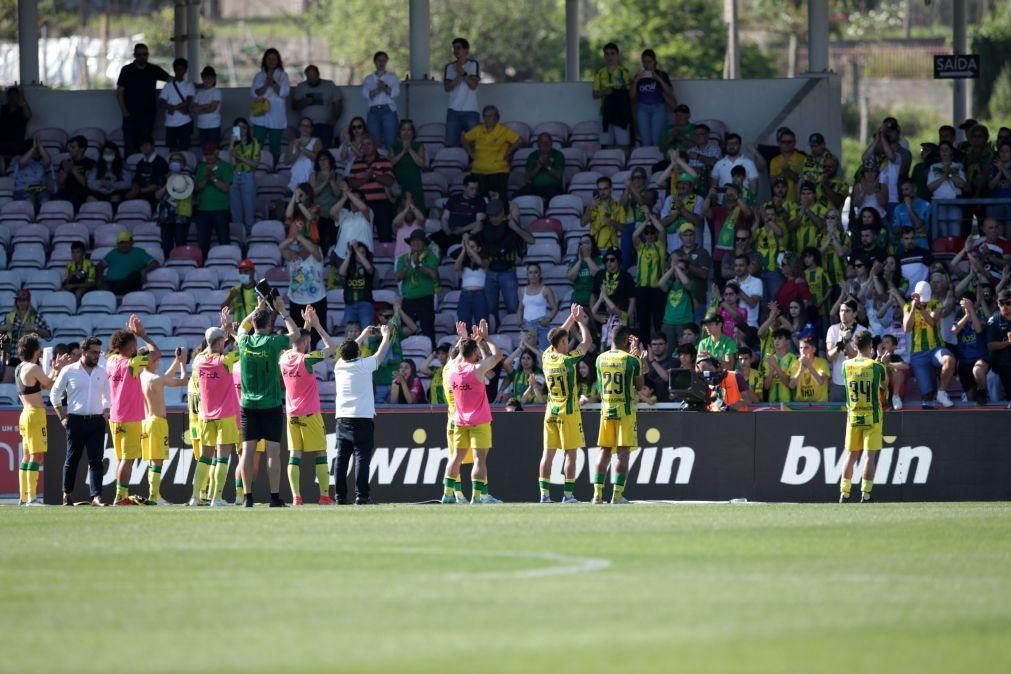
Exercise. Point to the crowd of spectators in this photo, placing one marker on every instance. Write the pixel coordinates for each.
(688, 251)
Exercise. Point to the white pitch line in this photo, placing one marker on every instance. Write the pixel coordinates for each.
(565, 565)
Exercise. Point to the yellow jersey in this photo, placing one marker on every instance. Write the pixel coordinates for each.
(866, 383)
(924, 337)
(560, 376)
(808, 390)
(616, 373)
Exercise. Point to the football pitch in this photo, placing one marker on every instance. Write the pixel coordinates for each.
(515, 588)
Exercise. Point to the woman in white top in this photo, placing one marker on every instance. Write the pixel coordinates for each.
(354, 221)
(301, 153)
(869, 192)
(270, 85)
(538, 305)
(207, 107)
(473, 305)
(306, 271)
(946, 179)
(381, 89)
(351, 143)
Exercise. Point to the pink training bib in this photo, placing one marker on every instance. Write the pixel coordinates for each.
(301, 392)
(471, 398)
(217, 393)
(124, 388)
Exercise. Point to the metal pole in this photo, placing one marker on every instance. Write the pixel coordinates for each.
(571, 40)
(28, 41)
(193, 40)
(817, 36)
(960, 44)
(179, 29)
(732, 63)
(420, 31)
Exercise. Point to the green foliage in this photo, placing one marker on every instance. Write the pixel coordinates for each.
(1000, 100)
(755, 63)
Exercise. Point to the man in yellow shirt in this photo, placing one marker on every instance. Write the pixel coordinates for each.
(611, 88)
(788, 163)
(605, 216)
(809, 374)
(490, 146)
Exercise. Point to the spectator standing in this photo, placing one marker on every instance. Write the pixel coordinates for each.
(462, 214)
(914, 260)
(402, 326)
(681, 207)
(175, 206)
(356, 409)
(244, 154)
(108, 179)
(651, 255)
(679, 306)
(538, 306)
(810, 374)
(978, 160)
(720, 174)
(150, 173)
(408, 220)
(973, 357)
(301, 153)
(716, 343)
(307, 279)
(373, 175)
(658, 363)
(544, 171)
(124, 268)
(725, 218)
(242, 298)
(213, 179)
(460, 79)
(832, 190)
(770, 239)
(841, 347)
(788, 163)
(502, 241)
(207, 107)
(15, 114)
(270, 90)
(583, 270)
(176, 98)
(30, 169)
(946, 180)
(473, 269)
(700, 264)
(613, 292)
(80, 275)
(23, 320)
(354, 220)
(652, 92)
(491, 146)
(638, 202)
(302, 214)
(321, 101)
(351, 143)
(359, 279)
(605, 215)
(326, 184)
(793, 287)
(751, 289)
(702, 157)
(921, 320)
(814, 164)
(778, 366)
(998, 341)
(380, 90)
(999, 184)
(136, 93)
(72, 178)
(611, 87)
(913, 212)
(678, 135)
(418, 274)
(409, 160)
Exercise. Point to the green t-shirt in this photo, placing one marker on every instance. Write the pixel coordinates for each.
(383, 375)
(211, 198)
(416, 284)
(543, 178)
(582, 287)
(121, 265)
(687, 136)
(678, 310)
(261, 370)
(778, 391)
(722, 349)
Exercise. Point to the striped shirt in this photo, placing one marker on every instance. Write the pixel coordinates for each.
(373, 190)
(924, 337)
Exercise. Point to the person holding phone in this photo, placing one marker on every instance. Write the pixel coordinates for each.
(244, 156)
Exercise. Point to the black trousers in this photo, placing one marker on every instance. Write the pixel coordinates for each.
(422, 312)
(382, 220)
(178, 137)
(494, 182)
(1004, 372)
(649, 307)
(135, 127)
(84, 434)
(354, 436)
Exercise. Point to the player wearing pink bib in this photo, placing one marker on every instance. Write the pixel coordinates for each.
(219, 409)
(306, 433)
(126, 411)
(472, 414)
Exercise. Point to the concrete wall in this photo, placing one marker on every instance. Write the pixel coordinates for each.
(746, 106)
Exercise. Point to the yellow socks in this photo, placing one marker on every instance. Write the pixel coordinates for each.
(866, 487)
(845, 486)
(598, 485)
(23, 481)
(323, 475)
(295, 475)
(220, 475)
(154, 482)
(200, 477)
(619, 488)
(122, 491)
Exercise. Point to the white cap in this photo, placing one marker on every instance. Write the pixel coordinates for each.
(923, 290)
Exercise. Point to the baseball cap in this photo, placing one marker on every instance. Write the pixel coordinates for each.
(416, 235)
(681, 107)
(246, 264)
(712, 318)
(816, 139)
(685, 178)
(923, 290)
(23, 294)
(124, 236)
(213, 334)
(968, 124)
(686, 227)
(495, 207)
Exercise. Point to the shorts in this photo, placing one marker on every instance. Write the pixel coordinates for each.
(473, 437)
(260, 424)
(621, 432)
(306, 433)
(32, 426)
(965, 375)
(219, 432)
(126, 439)
(154, 439)
(563, 431)
(859, 438)
(615, 135)
(260, 447)
(451, 443)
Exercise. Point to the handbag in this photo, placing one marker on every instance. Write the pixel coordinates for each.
(259, 108)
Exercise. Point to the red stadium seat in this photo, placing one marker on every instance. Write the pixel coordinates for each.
(186, 256)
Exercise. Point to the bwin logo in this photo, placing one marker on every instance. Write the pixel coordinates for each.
(802, 463)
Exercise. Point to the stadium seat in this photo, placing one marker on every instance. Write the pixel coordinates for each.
(18, 210)
(555, 274)
(451, 161)
(175, 396)
(559, 131)
(138, 302)
(566, 204)
(29, 232)
(96, 137)
(503, 342)
(28, 256)
(431, 132)
(278, 277)
(106, 324)
(134, 209)
(717, 129)
(585, 131)
(607, 162)
(10, 281)
(58, 303)
(45, 279)
(947, 245)
(519, 159)
(521, 128)
(546, 225)
(263, 254)
(200, 279)
(95, 210)
(98, 253)
(162, 278)
(228, 256)
(177, 303)
(152, 249)
(116, 136)
(9, 395)
(448, 277)
(435, 185)
(54, 140)
(529, 206)
(449, 301)
(157, 325)
(510, 324)
(146, 232)
(72, 328)
(542, 251)
(416, 346)
(267, 231)
(105, 235)
(645, 156)
(55, 209)
(191, 325)
(210, 300)
(70, 232)
(97, 302)
(575, 158)
(185, 256)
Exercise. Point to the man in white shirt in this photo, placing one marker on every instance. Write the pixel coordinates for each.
(356, 409)
(321, 101)
(840, 346)
(720, 175)
(381, 89)
(751, 288)
(85, 416)
(175, 100)
(460, 79)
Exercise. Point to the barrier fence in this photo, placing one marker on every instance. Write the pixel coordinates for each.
(766, 456)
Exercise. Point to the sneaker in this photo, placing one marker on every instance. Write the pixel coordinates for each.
(621, 501)
(68, 500)
(447, 499)
(125, 502)
(98, 502)
(570, 499)
(982, 398)
(162, 502)
(596, 500)
(148, 502)
(866, 498)
(247, 500)
(297, 501)
(35, 504)
(194, 502)
(219, 503)
(487, 499)
(896, 402)
(278, 504)
(546, 499)
(325, 500)
(22, 502)
(942, 397)
(363, 501)
(843, 497)
(461, 499)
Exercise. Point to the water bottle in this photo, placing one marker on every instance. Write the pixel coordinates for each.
(737, 501)
(974, 230)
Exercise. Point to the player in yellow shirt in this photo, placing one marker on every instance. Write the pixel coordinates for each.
(809, 375)
(619, 372)
(866, 387)
(154, 439)
(563, 424)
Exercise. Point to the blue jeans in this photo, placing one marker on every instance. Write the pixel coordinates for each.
(949, 221)
(771, 281)
(360, 312)
(650, 118)
(542, 333)
(382, 393)
(458, 122)
(627, 247)
(473, 307)
(242, 199)
(382, 123)
(324, 132)
(922, 365)
(218, 220)
(506, 281)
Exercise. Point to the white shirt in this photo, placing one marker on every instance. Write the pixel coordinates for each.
(276, 117)
(751, 286)
(322, 97)
(301, 169)
(353, 226)
(172, 97)
(462, 98)
(890, 178)
(721, 170)
(831, 338)
(209, 120)
(947, 189)
(86, 393)
(354, 388)
(308, 284)
(382, 98)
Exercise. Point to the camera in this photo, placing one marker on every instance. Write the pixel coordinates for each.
(264, 290)
(690, 387)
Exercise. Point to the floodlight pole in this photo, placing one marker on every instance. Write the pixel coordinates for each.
(571, 40)
(179, 29)
(193, 40)
(28, 41)
(420, 28)
(960, 46)
(817, 36)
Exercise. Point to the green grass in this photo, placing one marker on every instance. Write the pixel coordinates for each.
(689, 588)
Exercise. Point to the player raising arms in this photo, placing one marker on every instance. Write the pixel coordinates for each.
(306, 433)
(154, 431)
(30, 380)
(472, 414)
(126, 413)
(452, 491)
(563, 425)
(866, 387)
(619, 372)
(193, 407)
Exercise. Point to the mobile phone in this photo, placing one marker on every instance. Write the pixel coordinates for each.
(236, 133)
(596, 194)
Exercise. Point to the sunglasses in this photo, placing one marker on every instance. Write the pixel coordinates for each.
(858, 265)
(357, 126)
(610, 259)
(1005, 303)
(741, 238)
